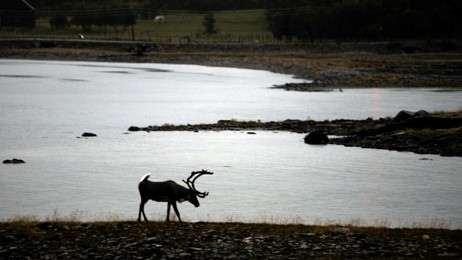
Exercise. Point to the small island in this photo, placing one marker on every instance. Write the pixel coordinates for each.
(419, 132)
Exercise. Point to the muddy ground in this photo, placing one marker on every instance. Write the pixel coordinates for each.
(329, 65)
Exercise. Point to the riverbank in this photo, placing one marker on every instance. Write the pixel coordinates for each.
(329, 65)
(159, 240)
(437, 133)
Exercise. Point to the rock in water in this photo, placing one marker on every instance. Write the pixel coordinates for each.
(13, 161)
(316, 137)
(86, 134)
(134, 129)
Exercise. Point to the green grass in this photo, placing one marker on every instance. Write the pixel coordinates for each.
(231, 26)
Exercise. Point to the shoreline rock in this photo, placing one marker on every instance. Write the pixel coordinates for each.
(350, 64)
(316, 137)
(88, 134)
(202, 240)
(13, 161)
(405, 115)
(307, 87)
(334, 127)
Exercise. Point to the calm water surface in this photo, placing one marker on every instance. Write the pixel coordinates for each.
(44, 105)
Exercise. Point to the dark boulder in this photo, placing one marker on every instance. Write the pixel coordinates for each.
(422, 113)
(251, 133)
(87, 134)
(405, 115)
(316, 137)
(134, 129)
(13, 161)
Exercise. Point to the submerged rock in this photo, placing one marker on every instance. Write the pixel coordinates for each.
(316, 137)
(87, 134)
(13, 161)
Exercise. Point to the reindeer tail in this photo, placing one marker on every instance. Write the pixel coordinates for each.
(145, 177)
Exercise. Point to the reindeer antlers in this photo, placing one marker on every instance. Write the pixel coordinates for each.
(194, 175)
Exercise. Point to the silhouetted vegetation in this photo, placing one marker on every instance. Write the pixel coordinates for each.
(104, 19)
(304, 20)
(196, 5)
(17, 14)
(59, 21)
(209, 23)
(365, 19)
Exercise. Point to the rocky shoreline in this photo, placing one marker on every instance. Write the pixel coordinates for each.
(423, 133)
(156, 240)
(306, 87)
(329, 65)
(334, 127)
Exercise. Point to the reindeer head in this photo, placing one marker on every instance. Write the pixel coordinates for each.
(194, 192)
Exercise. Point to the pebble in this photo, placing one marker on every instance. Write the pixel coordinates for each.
(88, 134)
(198, 241)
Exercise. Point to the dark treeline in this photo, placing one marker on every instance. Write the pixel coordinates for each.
(104, 19)
(89, 13)
(194, 5)
(88, 20)
(365, 19)
(206, 5)
(294, 19)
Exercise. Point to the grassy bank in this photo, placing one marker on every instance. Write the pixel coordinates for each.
(329, 64)
(231, 26)
(159, 240)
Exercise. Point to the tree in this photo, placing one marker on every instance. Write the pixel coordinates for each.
(59, 21)
(364, 19)
(209, 23)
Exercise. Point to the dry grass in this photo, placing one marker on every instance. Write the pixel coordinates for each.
(232, 26)
(29, 221)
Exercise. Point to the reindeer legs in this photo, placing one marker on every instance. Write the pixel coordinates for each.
(141, 210)
(176, 211)
(168, 212)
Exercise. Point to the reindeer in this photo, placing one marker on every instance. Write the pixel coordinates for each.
(170, 192)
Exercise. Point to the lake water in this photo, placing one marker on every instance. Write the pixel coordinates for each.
(269, 176)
